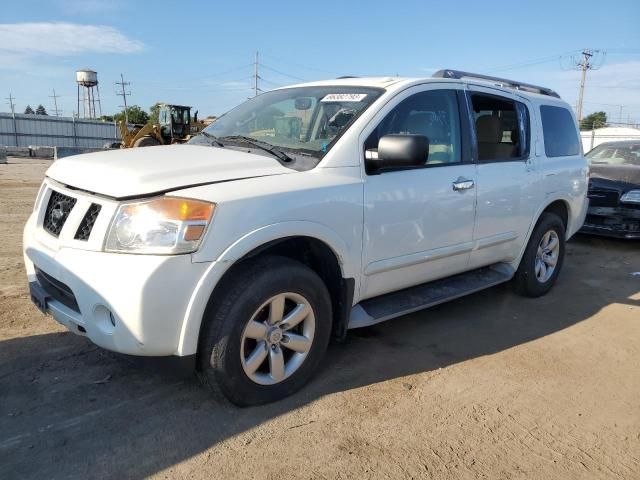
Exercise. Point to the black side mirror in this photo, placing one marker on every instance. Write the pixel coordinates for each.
(398, 150)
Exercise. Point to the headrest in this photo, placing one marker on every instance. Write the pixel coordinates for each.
(423, 124)
(489, 129)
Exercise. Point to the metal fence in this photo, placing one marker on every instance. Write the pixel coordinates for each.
(23, 130)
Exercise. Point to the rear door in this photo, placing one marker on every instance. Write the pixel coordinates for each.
(417, 226)
(507, 174)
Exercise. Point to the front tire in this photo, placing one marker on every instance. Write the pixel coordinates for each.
(543, 257)
(265, 331)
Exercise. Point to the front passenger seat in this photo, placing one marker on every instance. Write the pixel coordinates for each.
(489, 130)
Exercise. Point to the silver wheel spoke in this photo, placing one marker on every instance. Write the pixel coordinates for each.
(276, 309)
(545, 240)
(298, 314)
(552, 243)
(276, 364)
(543, 271)
(297, 343)
(550, 261)
(256, 358)
(538, 267)
(256, 330)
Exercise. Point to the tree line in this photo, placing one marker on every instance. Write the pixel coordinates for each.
(135, 114)
(40, 110)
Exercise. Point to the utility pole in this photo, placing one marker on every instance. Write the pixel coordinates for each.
(584, 66)
(12, 105)
(591, 60)
(124, 94)
(55, 97)
(256, 77)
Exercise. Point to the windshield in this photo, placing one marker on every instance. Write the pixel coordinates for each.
(306, 120)
(628, 154)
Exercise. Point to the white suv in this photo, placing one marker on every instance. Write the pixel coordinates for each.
(303, 213)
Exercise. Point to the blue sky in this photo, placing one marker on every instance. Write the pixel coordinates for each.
(201, 53)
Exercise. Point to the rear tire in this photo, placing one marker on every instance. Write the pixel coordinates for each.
(248, 351)
(543, 257)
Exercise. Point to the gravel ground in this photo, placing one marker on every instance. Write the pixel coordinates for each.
(488, 386)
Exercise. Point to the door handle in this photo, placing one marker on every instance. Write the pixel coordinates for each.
(462, 184)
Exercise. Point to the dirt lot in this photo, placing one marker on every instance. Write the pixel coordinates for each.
(489, 386)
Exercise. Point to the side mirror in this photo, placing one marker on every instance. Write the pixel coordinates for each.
(398, 150)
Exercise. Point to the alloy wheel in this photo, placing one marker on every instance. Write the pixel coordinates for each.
(277, 339)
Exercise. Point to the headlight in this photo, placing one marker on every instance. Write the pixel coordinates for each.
(632, 196)
(163, 225)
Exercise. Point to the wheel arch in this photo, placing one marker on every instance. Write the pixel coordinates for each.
(561, 207)
(312, 244)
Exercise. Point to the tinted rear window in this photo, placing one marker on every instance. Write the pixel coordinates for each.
(560, 136)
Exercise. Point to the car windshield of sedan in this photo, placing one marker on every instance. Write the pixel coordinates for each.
(298, 120)
(628, 154)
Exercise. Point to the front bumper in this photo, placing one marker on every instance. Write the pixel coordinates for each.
(619, 222)
(132, 304)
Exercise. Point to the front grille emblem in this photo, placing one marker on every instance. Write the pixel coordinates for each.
(57, 211)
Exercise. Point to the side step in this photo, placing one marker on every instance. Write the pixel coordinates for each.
(395, 304)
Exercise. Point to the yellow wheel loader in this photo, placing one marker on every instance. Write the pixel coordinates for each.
(174, 126)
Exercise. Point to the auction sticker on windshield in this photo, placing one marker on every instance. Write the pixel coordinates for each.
(344, 97)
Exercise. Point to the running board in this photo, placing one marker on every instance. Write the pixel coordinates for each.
(395, 304)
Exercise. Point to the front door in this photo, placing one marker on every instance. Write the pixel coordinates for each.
(418, 222)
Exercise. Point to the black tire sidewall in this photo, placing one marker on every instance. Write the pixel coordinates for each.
(526, 280)
(246, 291)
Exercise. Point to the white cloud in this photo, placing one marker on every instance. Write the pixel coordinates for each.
(62, 39)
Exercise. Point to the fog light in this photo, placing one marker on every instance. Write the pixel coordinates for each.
(104, 319)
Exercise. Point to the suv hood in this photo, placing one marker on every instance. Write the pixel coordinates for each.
(142, 171)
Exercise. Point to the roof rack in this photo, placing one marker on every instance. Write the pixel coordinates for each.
(457, 74)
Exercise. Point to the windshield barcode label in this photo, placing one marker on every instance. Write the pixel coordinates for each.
(344, 97)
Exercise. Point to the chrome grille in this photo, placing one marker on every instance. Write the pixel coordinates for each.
(86, 225)
(57, 212)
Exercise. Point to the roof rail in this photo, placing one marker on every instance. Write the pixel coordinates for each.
(346, 76)
(447, 73)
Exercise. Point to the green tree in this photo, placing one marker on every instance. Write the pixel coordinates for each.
(107, 118)
(136, 115)
(29, 110)
(41, 110)
(154, 109)
(594, 120)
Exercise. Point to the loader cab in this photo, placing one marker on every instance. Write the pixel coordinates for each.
(175, 122)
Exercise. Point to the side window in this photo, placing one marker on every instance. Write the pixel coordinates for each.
(559, 130)
(433, 114)
(502, 128)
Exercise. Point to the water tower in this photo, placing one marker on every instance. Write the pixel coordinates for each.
(88, 93)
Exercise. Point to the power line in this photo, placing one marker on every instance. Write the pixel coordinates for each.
(124, 94)
(55, 97)
(306, 67)
(282, 73)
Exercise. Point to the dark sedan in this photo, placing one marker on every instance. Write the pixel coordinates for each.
(614, 190)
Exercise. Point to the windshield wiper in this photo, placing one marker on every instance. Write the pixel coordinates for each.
(266, 146)
(213, 138)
